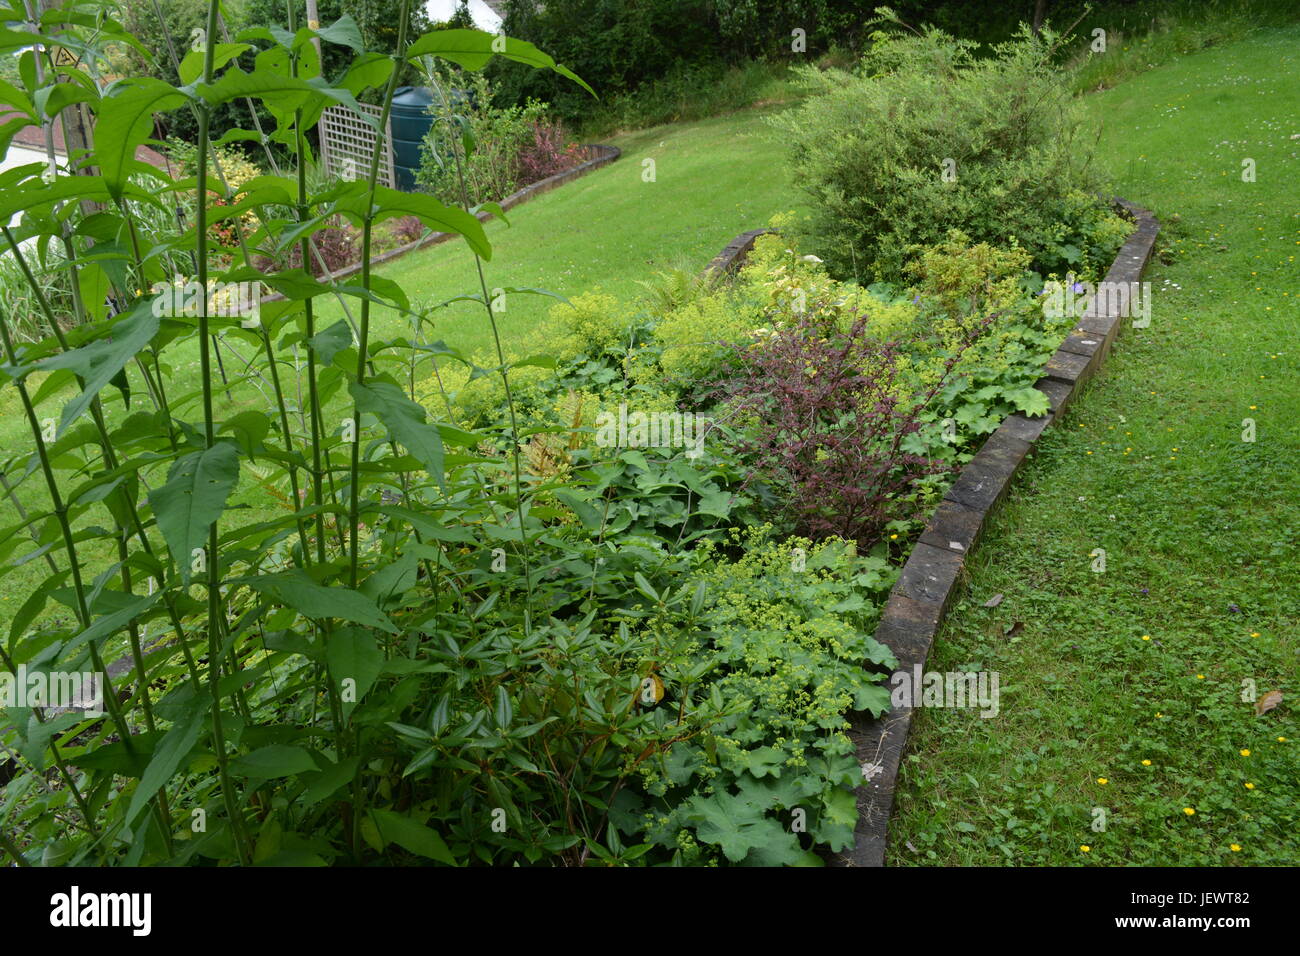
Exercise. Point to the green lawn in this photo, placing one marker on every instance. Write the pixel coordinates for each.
(1123, 691)
(610, 229)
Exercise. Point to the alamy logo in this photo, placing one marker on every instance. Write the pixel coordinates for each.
(652, 430)
(75, 908)
(70, 690)
(235, 300)
(951, 689)
(1071, 299)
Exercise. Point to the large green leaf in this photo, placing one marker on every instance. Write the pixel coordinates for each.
(472, 49)
(353, 654)
(35, 603)
(272, 761)
(405, 421)
(193, 497)
(51, 100)
(102, 360)
(343, 32)
(321, 785)
(222, 53)
(411, 835)
(738, 826)
(171, 750)
(367, 71)
(15, 41)
(295, 589)
(280, 91)
(126, 119)
(393, 579)
(837, 821)
(1029, 401)
(390, 203)
(330, 342)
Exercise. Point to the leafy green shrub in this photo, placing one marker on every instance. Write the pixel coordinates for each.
(497, 149)
(786, 631)
(596, 322)
(957, 285)
(235, 170)
(707, 327)
(925, 136)
(702, 336)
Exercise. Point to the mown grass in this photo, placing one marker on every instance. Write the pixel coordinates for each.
(610, 229)
(1140, 37)
(1123, 691)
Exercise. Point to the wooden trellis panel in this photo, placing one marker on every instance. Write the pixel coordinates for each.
(347, 143)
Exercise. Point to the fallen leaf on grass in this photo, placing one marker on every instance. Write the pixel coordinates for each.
(1268, 702)
(1015, 629)
(994, 601)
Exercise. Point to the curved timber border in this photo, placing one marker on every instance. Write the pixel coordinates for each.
(929, 580)
(734, 254)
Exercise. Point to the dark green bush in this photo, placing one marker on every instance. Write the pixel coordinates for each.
(620, 46)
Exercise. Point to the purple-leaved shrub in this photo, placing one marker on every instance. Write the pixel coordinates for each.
(823, 419)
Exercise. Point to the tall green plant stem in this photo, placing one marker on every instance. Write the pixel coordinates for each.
(11, 848)
(313, 400)
(364, 333)
(106, 444)
(162, 813)
(61, 511)
(505, 379)
(205, 371)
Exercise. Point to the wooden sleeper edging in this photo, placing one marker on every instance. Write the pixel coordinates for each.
(929, 580)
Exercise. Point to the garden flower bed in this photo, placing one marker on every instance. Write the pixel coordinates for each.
(605, 596)
(757, 798)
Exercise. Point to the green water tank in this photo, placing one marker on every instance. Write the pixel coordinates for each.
(410, 121)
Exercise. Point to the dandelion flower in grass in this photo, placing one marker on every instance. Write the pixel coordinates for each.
(1234, 847)
(1244, 753)
(1281, 740)
(1254, 633)
(1085, 849)
(893, 537)
(1200, 677)
(1250, 786)
(1103, 781)
(1146, 763)
(1146, 637)
(1190, 811)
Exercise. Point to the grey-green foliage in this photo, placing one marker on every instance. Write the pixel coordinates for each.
(926, 135)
